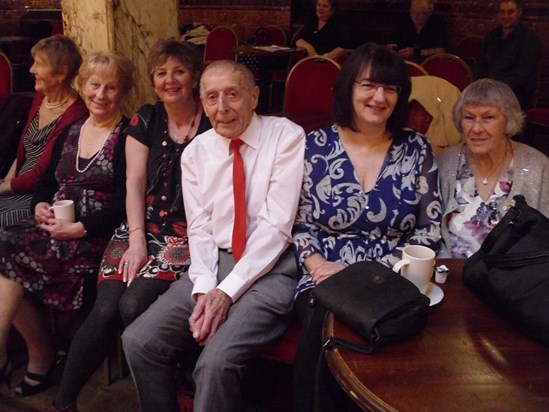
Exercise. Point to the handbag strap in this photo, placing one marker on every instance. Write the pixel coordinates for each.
(332, 342)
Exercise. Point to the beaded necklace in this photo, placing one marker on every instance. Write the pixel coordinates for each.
(96, 155)
(55, 105)
(168, 160)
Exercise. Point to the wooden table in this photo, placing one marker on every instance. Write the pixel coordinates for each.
(466, 359)
(268, 61)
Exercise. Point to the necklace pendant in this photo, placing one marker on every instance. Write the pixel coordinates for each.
(485, 181)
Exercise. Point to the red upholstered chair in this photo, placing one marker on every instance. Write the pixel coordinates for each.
(309, 86)
(536, 130)
(57, 28)
(468, 47)
(450, 67)
(220, 44)
(277, 35)
(419, 119)
(6, 76)
(415, 69)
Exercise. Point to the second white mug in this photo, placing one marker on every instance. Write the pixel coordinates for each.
(63, 209)
(417, 265)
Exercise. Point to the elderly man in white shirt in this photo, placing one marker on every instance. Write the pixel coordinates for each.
(239, 289)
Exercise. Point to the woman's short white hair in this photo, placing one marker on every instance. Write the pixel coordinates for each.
(489, 92)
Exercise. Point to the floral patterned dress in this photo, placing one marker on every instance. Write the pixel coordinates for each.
(340, 221)
(165, 221)
(474, 218)
(52, 269)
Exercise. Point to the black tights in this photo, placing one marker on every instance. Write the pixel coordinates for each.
(114, 306)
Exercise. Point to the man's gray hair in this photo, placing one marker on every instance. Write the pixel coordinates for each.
(246, 77)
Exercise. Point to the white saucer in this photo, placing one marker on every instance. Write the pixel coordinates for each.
(435, 293)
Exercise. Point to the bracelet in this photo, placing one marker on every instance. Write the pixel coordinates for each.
(133, 229)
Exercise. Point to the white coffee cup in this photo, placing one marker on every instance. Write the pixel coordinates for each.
(417, 265)
(63, 209)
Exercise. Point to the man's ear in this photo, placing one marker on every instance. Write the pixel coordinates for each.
(255, 96)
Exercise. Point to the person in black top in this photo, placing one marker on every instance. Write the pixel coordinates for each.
(325, 33)
(511, 53)
(421, 34)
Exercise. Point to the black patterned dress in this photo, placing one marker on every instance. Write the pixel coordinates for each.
(165, 221)
(52, 269)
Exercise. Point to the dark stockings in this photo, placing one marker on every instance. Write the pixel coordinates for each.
(115, 304)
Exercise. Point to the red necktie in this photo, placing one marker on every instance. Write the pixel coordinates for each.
(239, 193)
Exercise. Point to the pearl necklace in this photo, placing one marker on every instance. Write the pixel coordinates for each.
(55, 105)
(95, 156)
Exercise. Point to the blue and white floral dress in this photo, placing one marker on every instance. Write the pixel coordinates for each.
(340, 221)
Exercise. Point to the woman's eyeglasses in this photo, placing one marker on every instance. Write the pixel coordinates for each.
(371, 87)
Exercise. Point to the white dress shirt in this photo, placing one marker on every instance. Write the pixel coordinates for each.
(273, 164)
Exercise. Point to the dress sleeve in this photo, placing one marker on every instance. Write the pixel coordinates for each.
(141, 123)
(305, 232)
(426, 231)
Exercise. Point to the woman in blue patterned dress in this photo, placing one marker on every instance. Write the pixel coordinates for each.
(47, 258)
(370, 188)
(150, 249)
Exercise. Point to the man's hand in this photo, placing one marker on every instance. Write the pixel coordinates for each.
(209, 314)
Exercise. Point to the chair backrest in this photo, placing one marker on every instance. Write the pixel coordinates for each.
(278, 35)
(419, 119)
(220, 44)
(6, 76)
(449, 67)
(468, 47)
(309, 86)
(57, 28)
(415, 69)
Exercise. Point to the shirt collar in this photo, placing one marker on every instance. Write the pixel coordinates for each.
(252, 134)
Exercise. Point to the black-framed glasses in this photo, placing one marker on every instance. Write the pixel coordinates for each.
(371, 87)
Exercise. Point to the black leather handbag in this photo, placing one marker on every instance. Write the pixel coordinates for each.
(376, 302)
(511, 270)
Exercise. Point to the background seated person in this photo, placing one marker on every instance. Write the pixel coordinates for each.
(55, 106)
(480, 177)
(47, 258)
(421, 34)
(370, 188)
(511, 53)
(150, 249)
(325, 33)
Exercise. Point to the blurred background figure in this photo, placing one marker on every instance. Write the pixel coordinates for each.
(325, 33)
(421, 34)
(511, 53)
(56, 105)
(480, 177)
